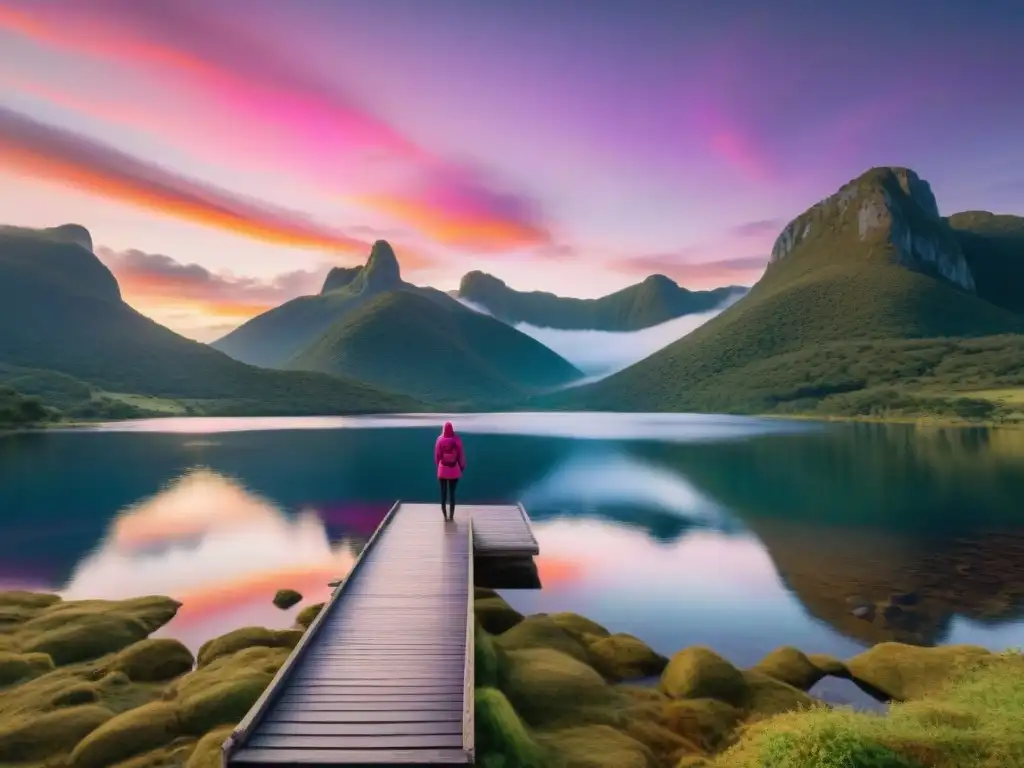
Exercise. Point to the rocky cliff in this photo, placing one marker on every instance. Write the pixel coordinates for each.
(891, 207)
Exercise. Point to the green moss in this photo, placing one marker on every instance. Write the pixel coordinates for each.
(698, 672)
(134, 732)
(31, 600)
(899, 671)
(76, 695)
(624, 657)
(286, 598)
(246, 637)
(791, 666)
(548, 688)
(577, 625)
(154, 660)
(495, 615)
(598, 746)
(766, 696)
(541, 632)
(222, 703)
(39, 735)
(489, 662)
(828, 747)
(15, 667)
(307, 615)
(501, 734)
(207, 753)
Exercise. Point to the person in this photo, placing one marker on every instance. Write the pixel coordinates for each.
(450, 459)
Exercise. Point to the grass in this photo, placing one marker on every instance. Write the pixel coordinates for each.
(408, 343)
(655, 300)
(971, 722)
(838, 327)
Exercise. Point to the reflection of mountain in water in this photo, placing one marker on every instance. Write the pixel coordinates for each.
(858, 514)
(610, 485)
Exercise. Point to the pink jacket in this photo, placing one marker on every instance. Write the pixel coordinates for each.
(449, 473)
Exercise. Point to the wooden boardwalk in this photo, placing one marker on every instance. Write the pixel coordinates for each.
(384, 675)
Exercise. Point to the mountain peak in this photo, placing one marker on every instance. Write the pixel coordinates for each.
(890, 207)
(339, 277)
(382, 271)
(477, 280)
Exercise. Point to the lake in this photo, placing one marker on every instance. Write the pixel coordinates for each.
(741, 534)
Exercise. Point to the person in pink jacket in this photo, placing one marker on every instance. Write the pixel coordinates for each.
(450, 459)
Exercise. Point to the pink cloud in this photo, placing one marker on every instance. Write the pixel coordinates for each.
(182, 44)
(702, 274)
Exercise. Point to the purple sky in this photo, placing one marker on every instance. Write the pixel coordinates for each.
(225, 153)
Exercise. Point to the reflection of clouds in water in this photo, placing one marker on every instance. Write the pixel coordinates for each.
(665, 427)
(590, 480)
(217, 548)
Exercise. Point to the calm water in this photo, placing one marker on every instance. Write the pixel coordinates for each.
(741, 534)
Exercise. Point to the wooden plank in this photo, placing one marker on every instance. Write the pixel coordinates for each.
(347, 705)
(438, 757)
(368, 717)
(452, 727)
(356, 742)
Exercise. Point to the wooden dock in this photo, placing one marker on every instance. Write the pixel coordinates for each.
(384, 675)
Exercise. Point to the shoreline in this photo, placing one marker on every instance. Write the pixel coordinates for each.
(83, 685)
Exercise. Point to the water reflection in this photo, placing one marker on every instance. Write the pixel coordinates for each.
(220, 549)
(738, 533)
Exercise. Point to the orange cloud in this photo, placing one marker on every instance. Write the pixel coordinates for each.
(34, 148)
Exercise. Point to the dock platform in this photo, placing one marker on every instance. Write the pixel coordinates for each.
(384, 674)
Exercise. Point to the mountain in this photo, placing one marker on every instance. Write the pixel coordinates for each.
(442, 352)
(860, 296)
(655, 300)
(271, 339)
(61, 311)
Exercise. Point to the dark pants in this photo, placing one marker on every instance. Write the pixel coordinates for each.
(448, 494)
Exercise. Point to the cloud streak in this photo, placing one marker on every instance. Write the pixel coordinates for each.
(57, 155)
(282, 105)
(743, 270)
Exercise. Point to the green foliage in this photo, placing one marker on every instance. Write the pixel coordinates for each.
(655, 300)
(839, 326)
(405, 342)
(994, 248)
(828, 747)
(60, 310)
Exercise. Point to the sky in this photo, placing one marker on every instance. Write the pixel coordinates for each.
(225, 154)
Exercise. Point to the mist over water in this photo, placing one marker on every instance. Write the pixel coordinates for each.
(601, 353)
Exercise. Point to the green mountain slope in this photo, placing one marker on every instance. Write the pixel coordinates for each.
(850, 283)
(271, 339)
(656, 300)
(61, 310)
(994, 247)
(405, 342)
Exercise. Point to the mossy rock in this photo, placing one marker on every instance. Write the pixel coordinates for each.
(154, 660)
(223, 703)
(829, 665)
(76, 695)
(207, 753)
(624, 657)
(642, 694)
(152, 612)
(81, 637)
(540, 631)
(501, 734)
(308, 614)
(704, 722)
(667, 746)
(791, 666)
(17, 667)
(258, 661)
(767, 697)
(598, 746)
(495, 615)
(36, 736)
(489, 662)
(130, 733)
(693, 761)
(173, 755)
(577, 625)
(482, 593)
(699, 673)
(20, 599)
(286, 598)
(247, 637)
(900, 672)
(548, 687)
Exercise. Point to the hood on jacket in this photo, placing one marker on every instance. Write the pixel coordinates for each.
(449, 430)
